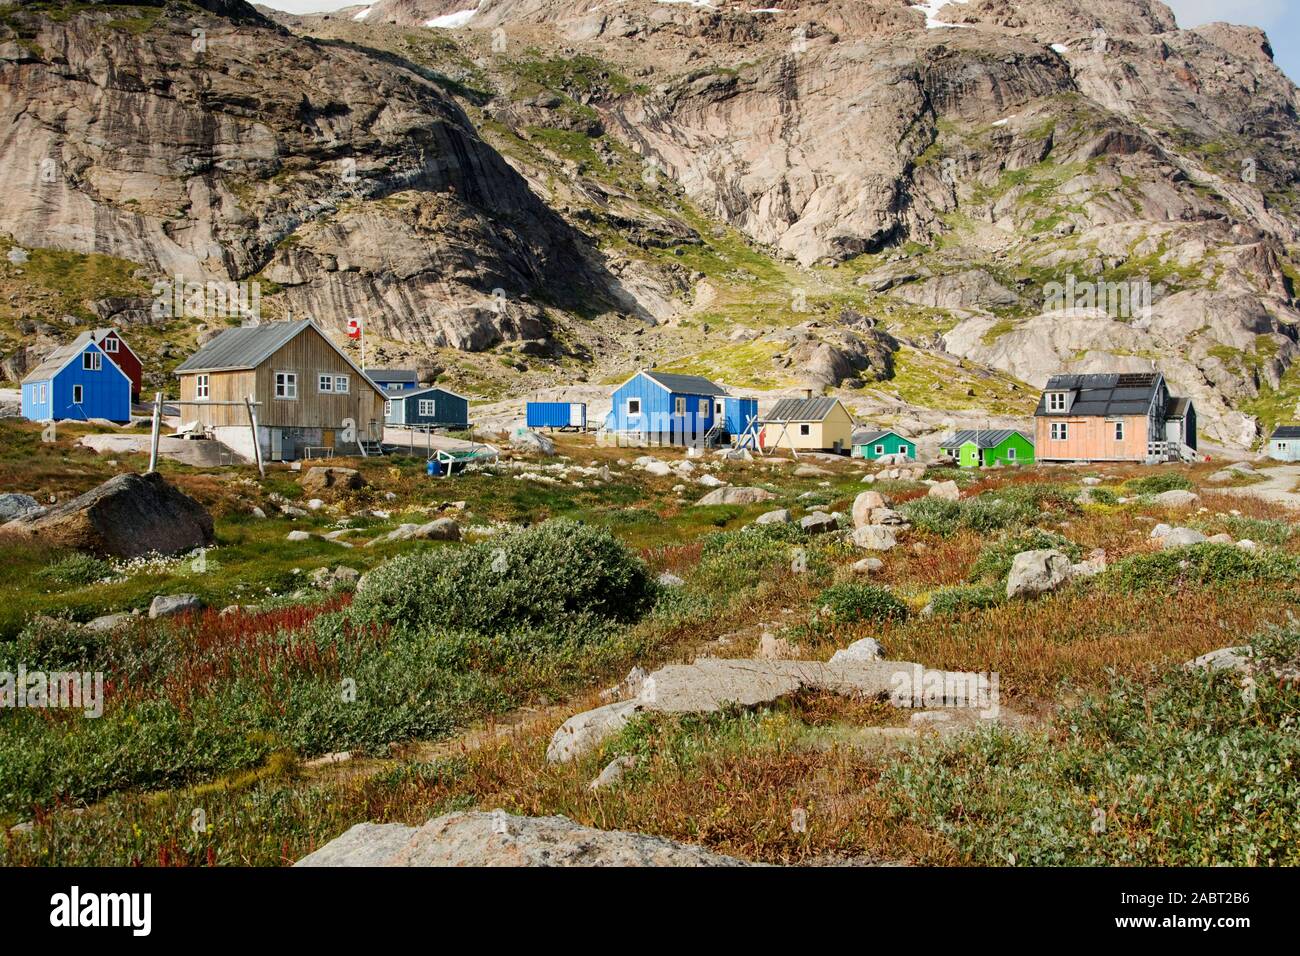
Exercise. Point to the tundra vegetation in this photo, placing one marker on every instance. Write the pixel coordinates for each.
(444, 675)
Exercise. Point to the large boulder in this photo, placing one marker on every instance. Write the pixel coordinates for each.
(526, 440)
(1176, 499)
(1181, 538)
(864, 504)
(874, 537)
(173, 605)
(947, 490)
(328, 477)
(779, 516)
(126, 517)
(1037, 572)
(819, 523)
(475, 838)
(736, 496)
(14, 505)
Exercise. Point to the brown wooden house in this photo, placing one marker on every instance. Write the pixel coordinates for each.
(308, 397)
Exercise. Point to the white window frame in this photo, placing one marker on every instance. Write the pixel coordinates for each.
(42, 393)
(1119, 430)
(1060, 431)
(388, 408)
(78, 394)
(704, 408)
(342, 385)
(110, 345)
(679, 405)
(719, 409)
(202, 387)
(1058, 402)
(634, 406)
(421, 409)
(91, 361)
(880, 449)
(1011, 454)
(324, 382)
(286, 386)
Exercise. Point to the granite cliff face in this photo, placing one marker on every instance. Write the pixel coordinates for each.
(681, 173)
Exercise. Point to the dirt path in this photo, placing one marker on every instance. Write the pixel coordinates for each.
(1275, 488)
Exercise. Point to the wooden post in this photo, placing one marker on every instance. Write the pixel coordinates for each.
(257, 445)
(157, 427)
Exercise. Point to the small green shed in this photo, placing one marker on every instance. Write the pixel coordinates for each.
(874, 445)
(983, 449)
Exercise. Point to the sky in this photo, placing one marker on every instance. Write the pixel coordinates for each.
(1280, 18)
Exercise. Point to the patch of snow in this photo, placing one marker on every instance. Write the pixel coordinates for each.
(691, 3)
(450, 21)
(931, 10)
(1060, 48)
(361, 14)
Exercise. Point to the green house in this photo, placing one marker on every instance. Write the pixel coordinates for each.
(983, 449)
(874, 445)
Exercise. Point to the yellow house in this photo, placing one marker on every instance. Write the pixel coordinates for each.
(809, 424)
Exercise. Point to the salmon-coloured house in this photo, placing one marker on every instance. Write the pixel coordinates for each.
(1113, 417)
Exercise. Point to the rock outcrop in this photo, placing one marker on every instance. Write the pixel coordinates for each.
(126, 517)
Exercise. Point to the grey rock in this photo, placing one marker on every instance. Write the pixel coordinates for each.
(1037, 572)
(613, 772)
(819, 523)
(1182, 538)
(947, 490)
(170, 605)
(779, 516)
(1176, 499)
(867, 649)
(736, 496)
(875, 538)
(13, 505)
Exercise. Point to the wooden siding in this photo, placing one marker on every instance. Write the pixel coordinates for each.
(1093, 439)
(222, 387)
(837, 426)
(893, 445)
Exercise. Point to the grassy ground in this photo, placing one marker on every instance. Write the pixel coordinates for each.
(130, 787)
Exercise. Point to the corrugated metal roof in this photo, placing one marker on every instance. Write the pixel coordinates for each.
(58, 358)
(1286, 431)
(801, 409)
(867, 437)
(245, 347)
(981, 438)
(392, 374)
(686, 384)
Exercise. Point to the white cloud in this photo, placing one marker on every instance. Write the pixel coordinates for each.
(308, 6)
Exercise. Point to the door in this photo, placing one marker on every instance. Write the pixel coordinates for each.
(577, 415)
(277, 445)
(327, 438)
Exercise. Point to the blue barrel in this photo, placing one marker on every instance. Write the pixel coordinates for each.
(433, 467)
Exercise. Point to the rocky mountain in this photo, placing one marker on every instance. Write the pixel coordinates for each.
(990, 191)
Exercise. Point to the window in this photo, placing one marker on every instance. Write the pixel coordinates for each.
(110, 345)
(704, 408)
(718, 409)
(679, 405)
(426, 406)
(1119, 431)
(1057, 401)
(78, 394)
(201, 386)
(880, 449)
(1060, 431)
(342, 384)
(388, 408)
(286, 385)
(324, 383)
(92, 361)
(634, 406)
(1011, 454)
(805, 429)
(40, 394)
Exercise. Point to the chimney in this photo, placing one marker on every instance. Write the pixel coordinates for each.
(807, 393)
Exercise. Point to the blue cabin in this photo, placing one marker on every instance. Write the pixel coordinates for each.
(666, 408)
(737, 414)
(431, 407)
(77, 382)
(556, 415)
(393, 379)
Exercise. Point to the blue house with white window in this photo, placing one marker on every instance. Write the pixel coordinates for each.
(431, 407)
(394, 379)
(666, 408)
(77, 382)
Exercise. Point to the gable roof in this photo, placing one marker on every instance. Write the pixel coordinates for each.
(1286, 432)
(867, 436)
(684, 384)
(1126, 393)
(58, 360)
(404, 393)
(249, 346)
(393, 375)
(984, 438)
(101, 334)
(801, 410)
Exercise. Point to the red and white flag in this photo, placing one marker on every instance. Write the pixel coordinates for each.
(354, 328)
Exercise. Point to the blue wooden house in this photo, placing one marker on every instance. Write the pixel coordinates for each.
(430, 407)
(666, 408)
(394, 379)
(556, 415)
(77, 382)
(1284, 445)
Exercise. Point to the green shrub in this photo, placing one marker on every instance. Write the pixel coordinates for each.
(1200, 565)
(1259, 530)
(995, 559)
(850, 603)
(551, 576)
(1194, 774)
(938, 516)
(1159, 484)
(77, 569)
(973, 597)
(1010, 507)
(1102, 496)
(727, 557)
(988, 514)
